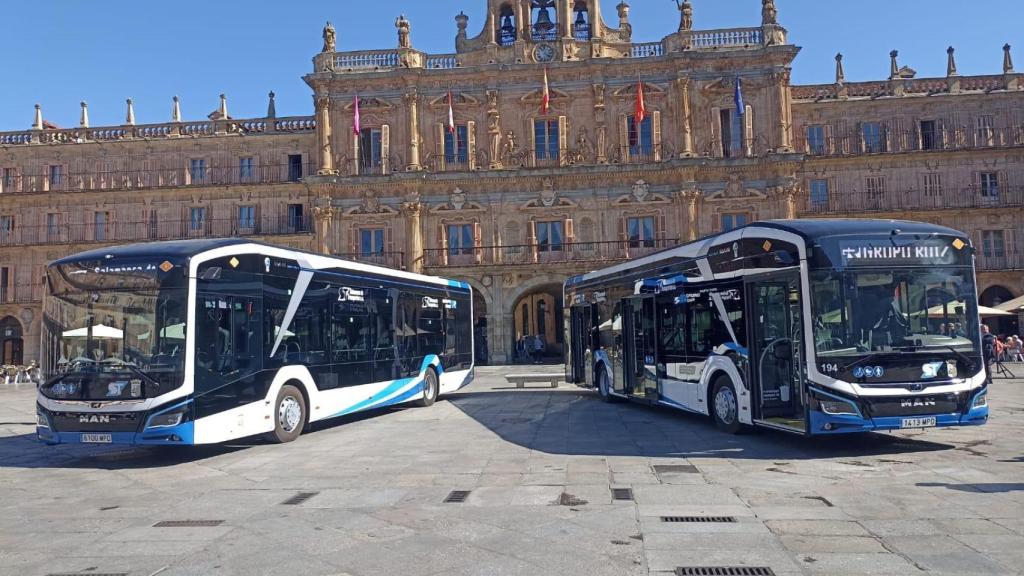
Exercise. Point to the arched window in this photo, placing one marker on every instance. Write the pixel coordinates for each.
(507, 32)
(544, 26)
(581, 26)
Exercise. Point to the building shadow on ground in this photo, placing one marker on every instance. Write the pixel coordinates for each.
(575, 421)
(977, 488)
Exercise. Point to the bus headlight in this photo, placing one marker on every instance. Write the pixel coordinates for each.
(41, 420)
(838, 408)
(168, 419)
(981, 400)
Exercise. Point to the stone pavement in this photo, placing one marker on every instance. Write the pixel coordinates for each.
(539, 465)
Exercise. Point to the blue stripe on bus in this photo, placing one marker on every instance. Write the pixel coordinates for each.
(394, 387)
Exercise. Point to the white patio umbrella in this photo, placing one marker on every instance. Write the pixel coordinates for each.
(950, 308)
(98, 331)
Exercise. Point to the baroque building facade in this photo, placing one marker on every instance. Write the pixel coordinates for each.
(452, 164)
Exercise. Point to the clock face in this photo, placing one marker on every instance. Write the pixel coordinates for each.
(544, 53)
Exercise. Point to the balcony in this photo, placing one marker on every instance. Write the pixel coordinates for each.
(395, 260)
(155, 178)
(1005, 262)
(532, 254)
(117, 231)
(905, 141)
(911, 200)
(22, 294)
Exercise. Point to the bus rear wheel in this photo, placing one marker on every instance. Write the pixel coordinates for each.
(289, 415)
(430, 389)
(725, 406)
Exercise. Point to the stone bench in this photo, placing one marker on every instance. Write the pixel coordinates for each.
(520, 380)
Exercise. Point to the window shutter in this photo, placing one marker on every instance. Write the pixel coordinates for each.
(478, 242)
(532, 231)
(570, 231)
(624, 137)
(563, 139)
(830, 145)
(355, 154)
(471, 144)
(385, 149)
(717, 146)
(656, 134)
(353, 240)
(442, 241)
(748, 131)
(389, 238)
(623, 228)
(440, 153)
(533, 139)
(662, 227)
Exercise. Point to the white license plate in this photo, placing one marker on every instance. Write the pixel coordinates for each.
(96, 438)
(928, 422)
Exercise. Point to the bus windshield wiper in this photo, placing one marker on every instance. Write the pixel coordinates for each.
(861, 360)
(967, 359)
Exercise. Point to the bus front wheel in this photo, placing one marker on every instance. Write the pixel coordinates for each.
(725, 408)
(430, 389)
(289, 415)
(604, 385)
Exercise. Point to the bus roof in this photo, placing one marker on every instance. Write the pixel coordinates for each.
(808, 229)
(182, 250)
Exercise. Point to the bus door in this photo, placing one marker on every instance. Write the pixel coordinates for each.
(640, 350)
(775, 349)
(581, 348)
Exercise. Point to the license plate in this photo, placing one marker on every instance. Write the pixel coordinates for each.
(96, 438)
(918, 422)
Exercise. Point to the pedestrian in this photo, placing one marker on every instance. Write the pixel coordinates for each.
(1016, 350)
(538, 349)
(988, 349)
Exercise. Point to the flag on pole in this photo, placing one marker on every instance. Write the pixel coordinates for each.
(741, 109)
(641, 106)
(546, 99)
(356, 120)
(451, 114)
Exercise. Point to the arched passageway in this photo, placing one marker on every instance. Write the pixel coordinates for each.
(1001, 325)
(537, 325)
(11, 342)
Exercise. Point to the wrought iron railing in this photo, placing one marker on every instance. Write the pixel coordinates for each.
(155, 178)
(994, 262)
(394, 260)
(887, 141)
(114, 230)
(22, 293)
(903, 200)
(531, 254)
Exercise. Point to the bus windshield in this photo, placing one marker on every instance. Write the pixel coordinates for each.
(122, 342)
(870, 311)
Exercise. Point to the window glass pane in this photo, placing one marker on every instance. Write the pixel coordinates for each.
(556, 235)
(727, 222)
(378, 239)
(467, 238)
(633, 226)
(553, 140)
(648, 228)
(543, 238)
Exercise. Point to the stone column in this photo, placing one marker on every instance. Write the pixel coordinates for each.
(412, 105)
(324, 216)
(783, 110)
(413, 210)
(684, 96)
(324, 135)
(690, 198)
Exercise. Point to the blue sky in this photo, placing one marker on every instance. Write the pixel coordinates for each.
(59, 52)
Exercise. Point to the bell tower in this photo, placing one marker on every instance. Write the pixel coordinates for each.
(541, 32)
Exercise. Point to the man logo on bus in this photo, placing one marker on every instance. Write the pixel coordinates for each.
(93, 419)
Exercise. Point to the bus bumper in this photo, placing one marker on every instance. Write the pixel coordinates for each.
(181, 435)
(822, 423)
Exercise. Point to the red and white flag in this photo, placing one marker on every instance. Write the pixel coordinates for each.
(641, 107)
(451, 114)
(356, 120)
(546, 98)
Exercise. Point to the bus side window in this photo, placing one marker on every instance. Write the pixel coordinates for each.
(671, 328)
(406, 332)
(700, 317)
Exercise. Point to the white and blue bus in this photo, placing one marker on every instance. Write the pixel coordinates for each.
(204, 341)
(808, 326)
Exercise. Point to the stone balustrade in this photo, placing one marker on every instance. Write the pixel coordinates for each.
(366, 60)
(646, 50)
(293, 124)
(725, 38)
(442, 61)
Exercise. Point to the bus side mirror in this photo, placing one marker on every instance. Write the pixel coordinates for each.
(783, 351)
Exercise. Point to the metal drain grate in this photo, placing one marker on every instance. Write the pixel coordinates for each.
(299, 498)
(698, 519)
(188, 524)
(622, 493)
(457, 496)
(676, 469)
(724, 571)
